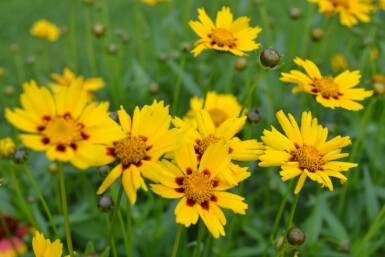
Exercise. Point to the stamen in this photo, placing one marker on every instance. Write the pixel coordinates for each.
(327, 87)
(205, 143)
(308, 158)
(131, 150)
(198, 187)
(222, 37)
(62, 130)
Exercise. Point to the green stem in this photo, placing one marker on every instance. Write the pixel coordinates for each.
(65, 211)
(278, 218)
(207, 246)
(265, 21)
(313, 218)
(20, 68)
(250, 91)
(288, 226)
(207, 87)
(176, 242)
(42, 200)
(114, 214)
(199, 239)
(178, 85)
(73, 35)
(89, 42)
(8, 234)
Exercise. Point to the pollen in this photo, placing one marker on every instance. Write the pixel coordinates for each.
(222, 37)
(218, 116)
(198, 187)
(63, 130)
(308, 158)
(205, 143)
(327, 87)
(131, 150)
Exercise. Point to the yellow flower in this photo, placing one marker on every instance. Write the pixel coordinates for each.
(220, 107)
(303, 151)
(328, 91)
(350, 11)
(153, 2)
(45, 29)
(339, 62)
(235, 37)
(145, 139)
(374, 53)
(199, 187)
(65, 80)
(44, 248)
(7, 147)
(203, 133)
(382, 4)
(64, 125)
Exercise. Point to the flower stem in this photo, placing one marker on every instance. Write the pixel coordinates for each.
(250, 91)
(65, 211)
(73, 35)
(199, 239)
(176, 242)
(207, 87)
(90, 45)
(114, 214)
(178, 85)
(42, 200)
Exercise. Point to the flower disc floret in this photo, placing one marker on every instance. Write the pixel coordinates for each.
(308, 157)
(198, 187)
(131, 150)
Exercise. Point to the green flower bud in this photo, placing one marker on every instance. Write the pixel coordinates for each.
(296, 236)
(269, 57)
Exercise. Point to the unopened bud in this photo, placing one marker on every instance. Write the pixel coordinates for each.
(253, 116)
(295, 12)
(317, 34)
(104, 169)
(53, 167)
(114, 116)
(153, 88)
(98, 30)
(240, 64)
(9, 90)
(20, 156)
(296, 236)
(112, 48)
(270, 57)
(186, 47)
(105, 203)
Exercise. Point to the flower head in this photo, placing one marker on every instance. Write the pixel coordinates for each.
(153, 2)
(350, 11)
(328, 91)
(227, 35)
(220, 107)
(8, 245)
(68, 77)
(63, 125)
(339, 62)
(7, 147)
(199, 187)
(45, 248)
(202, 134)
(145, 138)
(45, 29)
(303, 151)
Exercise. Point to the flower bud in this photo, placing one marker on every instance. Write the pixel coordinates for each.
(2, 72)
(378, 84)
(317, 34)
(296, 236)
(344, 247)
(153, 88)
(114, 116)
(240, 64)
(20, 156)
(105, 203)
(162, 57)
(53, 167)
(112, 48)
(9, 90)
(253, 116)
(7, 147)
(98, 30)
(269, 57)
(104, 169)
(186, 47)
(295, 12)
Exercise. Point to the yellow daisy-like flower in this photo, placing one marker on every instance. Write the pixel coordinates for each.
(154, 2)
(65, 80)
(382, 4)
(7, 147)
(303, 151)
(45, 248)
(339, 63)
(328, 91)
(227, 35)
(203, 133)
(45, 29)
(145, 138)
(220, 107)
(350, 11)
(200, 189)
(64, 125)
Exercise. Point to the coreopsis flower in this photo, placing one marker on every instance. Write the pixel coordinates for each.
(65, 80)
(304, 151)
(220, 107)
(381, 4)
(328, 91)
(350, 11)
(45, 248)
(203, 133)
(17, 247)
(64, 125)
(339, 62)
(199, 187)
(146, 137)
(236, 37)
(7, 147)
(45, 29)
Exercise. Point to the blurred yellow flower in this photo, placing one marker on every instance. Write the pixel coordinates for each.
(199, 187)
(328, 91)
(220, 107)
(339, 63)
(154, 2)
(65, 80)
(7, 147)
(44, 248)
(45, 29)
(227, 35)
(303, 151)
(374, 53)
(63, 125)
(382, 4)
(349, 11)
(143, 139)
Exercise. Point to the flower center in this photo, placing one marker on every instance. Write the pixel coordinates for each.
(308, 158)
(223, 37)
(218, 116)
(205, 143)
(63, 130)
(327, 87)
(198, 187)
(130, 150)
(344, 3)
